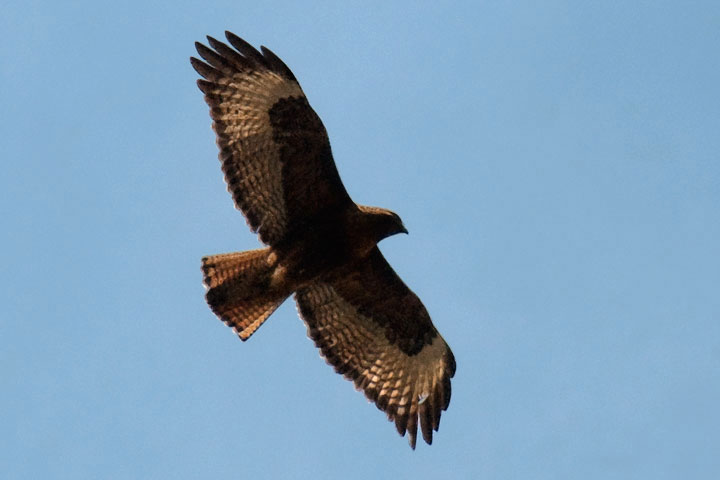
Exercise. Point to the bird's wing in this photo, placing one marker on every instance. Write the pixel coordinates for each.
(375, 331)
(274, 149)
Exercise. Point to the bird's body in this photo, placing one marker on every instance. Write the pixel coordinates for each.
(331, 241)
(321, 246)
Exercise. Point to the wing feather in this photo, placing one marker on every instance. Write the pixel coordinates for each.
(274, 149)
(375, 332)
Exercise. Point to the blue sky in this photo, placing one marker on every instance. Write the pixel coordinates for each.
(555, 162)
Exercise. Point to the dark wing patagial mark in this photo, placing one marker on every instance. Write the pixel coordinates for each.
(375, 331)
(295, 125)
(274, 150)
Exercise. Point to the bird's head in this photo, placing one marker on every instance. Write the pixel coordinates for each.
(384, 222)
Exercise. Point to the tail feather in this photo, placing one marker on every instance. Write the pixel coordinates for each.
(239, 290)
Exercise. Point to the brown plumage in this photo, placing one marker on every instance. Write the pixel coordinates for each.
(321, 246)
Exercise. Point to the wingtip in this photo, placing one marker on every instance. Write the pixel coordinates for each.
(428, 437)
(230, 35)
(235, 40)
(197, 64)
(212, 41)
(202, 68)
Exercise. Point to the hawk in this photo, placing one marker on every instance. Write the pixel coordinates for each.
(321, 246)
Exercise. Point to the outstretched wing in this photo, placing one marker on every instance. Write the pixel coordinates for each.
(274, 149)
(375, 331)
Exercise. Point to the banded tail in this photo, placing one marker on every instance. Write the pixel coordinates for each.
(239, 290)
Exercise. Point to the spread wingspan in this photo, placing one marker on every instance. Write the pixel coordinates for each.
(274, 150)
(375, 331)
(279, 169)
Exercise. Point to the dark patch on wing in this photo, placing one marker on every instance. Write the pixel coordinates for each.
(310, 178)
(374, 331)
(273, 147)
(378, 293)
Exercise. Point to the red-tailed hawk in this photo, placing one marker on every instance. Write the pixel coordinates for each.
(321, 246)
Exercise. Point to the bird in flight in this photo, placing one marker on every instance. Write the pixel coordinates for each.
(320, 245)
